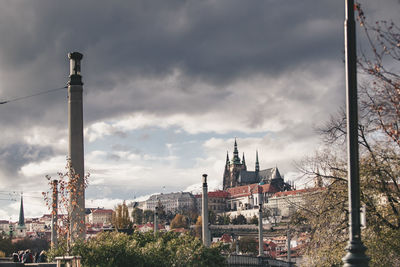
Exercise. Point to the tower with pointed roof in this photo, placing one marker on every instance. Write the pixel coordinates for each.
(236, 173)
(21, 228)
(235, 159)
(257, 163)
(233, 168)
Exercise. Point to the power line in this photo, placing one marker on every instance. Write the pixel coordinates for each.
(8, 199)
(33, 95)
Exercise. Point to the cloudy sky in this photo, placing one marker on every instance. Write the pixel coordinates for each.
(168, 85)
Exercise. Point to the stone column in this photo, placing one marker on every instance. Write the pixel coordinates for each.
(54, 215)
(76, 152)
(204, 214)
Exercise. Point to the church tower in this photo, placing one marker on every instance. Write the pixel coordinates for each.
(21, 228)
(237, 174)
(233, 168)
(257, 163)
(226, 178)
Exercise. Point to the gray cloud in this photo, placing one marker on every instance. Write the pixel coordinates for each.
(215, 41)
(172, 57)
(14, 156)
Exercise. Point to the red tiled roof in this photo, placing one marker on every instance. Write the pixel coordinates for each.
(296, 192)
(226, 238)
(219, 193)
(60, 216)
(102, 211)
(271, 245)
(215, 194)
(246, 190)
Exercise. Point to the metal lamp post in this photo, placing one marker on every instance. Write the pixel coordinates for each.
(355, 249)
(204, 214)
(260, 224)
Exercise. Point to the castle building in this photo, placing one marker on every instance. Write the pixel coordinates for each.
(174, 202)
(236, 173)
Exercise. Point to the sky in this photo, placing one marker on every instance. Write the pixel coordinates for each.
(168, 86)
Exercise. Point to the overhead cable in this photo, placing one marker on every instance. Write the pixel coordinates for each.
(33, 95)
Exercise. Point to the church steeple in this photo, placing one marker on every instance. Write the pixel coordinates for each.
(21, 228)
(244, 162)
(21, 221)
(236, 159)
(227, 160)
(257, 163)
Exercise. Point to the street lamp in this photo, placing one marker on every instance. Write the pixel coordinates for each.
(355, 249)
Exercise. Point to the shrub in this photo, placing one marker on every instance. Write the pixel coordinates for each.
(143, 249)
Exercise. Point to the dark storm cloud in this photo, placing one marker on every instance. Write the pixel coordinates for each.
(215, 41)
(14, 156)
(129, 44)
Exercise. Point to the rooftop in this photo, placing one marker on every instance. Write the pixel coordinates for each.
(215, 194)
(246, 190)
(296, 192)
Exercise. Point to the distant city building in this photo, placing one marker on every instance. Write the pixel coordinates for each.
(284, 204)
(4, 227)
(149, 227)
(236, 173)
(247, 196)
(216, 201)
(34, 225)
(173, 202)
(46, 219)
(99, 216)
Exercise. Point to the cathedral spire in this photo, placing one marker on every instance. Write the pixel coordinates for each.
(236, 159)
(21, 221)
(257, 163)
(227, 159)
(244, 162)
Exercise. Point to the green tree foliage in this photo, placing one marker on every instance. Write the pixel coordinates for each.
(326, 210)
(170, 215)
(148, 216)
(5, 245)
(212, 217)
(33, 244)
(248, 245)
(223, 219)
(120, 217)
(112, 249)
(180, 221)
(254, 220)
(162, 214)
(137, 215)
(240, 219)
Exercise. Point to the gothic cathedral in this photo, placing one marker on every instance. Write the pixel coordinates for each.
(236, 173)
